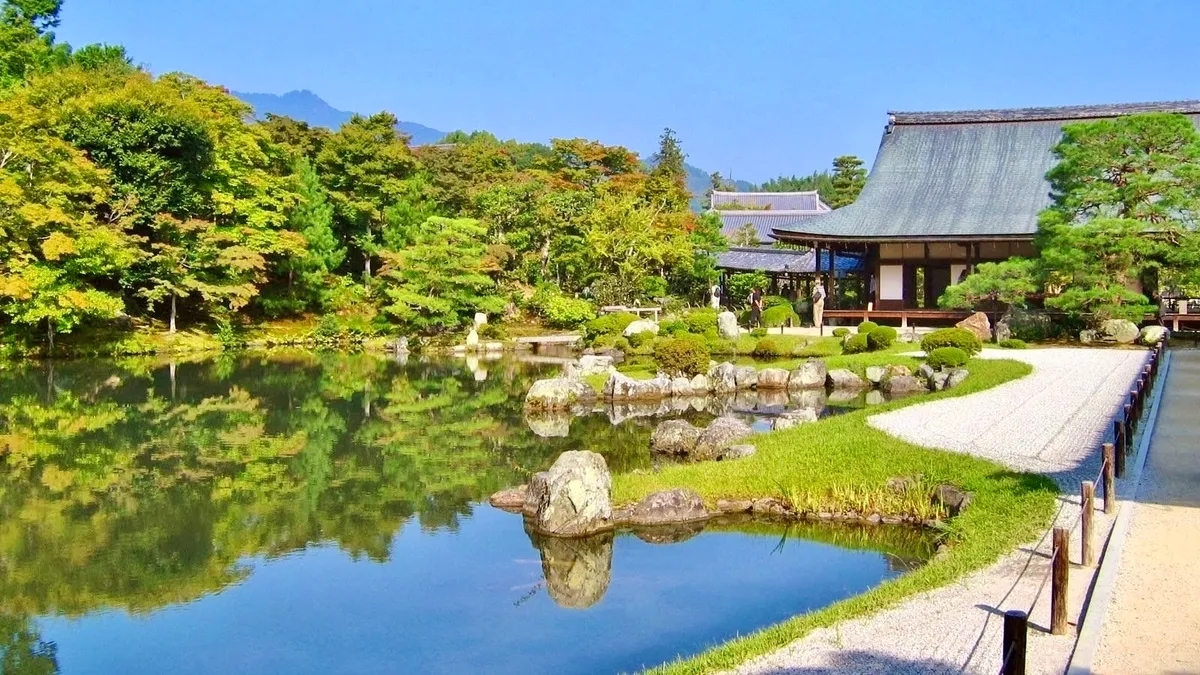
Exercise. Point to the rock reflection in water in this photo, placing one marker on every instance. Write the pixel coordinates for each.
(669, 534)
(577, 569)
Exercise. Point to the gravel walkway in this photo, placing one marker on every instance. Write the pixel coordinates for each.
(1051, 422)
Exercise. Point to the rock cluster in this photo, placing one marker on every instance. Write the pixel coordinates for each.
(572, 497)
(1112, 331)
(558, 393)
(719, 440)
(978, 324)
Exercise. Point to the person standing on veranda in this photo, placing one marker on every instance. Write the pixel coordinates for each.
(715, 296)
(818, 306)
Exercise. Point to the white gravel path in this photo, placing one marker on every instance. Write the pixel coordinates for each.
(1051, 422)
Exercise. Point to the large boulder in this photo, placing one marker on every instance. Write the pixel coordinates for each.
(700, 385)
(720, 434)
(772, 378)
(903, 384)
(794, 418)
(1118, 331)
(641, 326)
(558, 393)
(621, 387)
(1026, 324)
(845, 379)
(746, 377)
(937, 381)
(669, 506)
(592, 364)
(510, 499)
(723, 378)
(674, 437)
(613, 353)
(810, 375)
(577, 570)
(1152, 335)
(737, 451)
(875, 374)
(978, 324)
(681, 387)
(727, 325)
(573, 497)
(957, 377)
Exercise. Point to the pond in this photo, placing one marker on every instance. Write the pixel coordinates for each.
(324, 513)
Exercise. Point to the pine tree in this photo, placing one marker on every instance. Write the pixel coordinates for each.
(848, 180)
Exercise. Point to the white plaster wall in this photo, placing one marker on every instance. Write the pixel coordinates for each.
(891, 282)
(955, 272)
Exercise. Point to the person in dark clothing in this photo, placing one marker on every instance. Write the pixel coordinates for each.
(756, 308)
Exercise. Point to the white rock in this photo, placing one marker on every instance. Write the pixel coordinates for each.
(480, 319)
(473, 339)
(700, 385)
(591, 364)
(727, 325)
(641, 326)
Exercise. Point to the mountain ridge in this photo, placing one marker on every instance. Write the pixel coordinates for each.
(306, 106)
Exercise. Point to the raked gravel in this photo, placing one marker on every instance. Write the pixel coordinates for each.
(1050, 422)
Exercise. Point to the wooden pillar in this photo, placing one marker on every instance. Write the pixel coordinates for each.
(1060, 573)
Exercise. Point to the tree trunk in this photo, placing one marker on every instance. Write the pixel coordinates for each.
(49, 337)
(545, 257)
(367, 271)
(172, 324)
(172, 381)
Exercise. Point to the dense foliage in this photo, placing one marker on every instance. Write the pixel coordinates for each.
(947, 357)
(158, 198)
(682, 356)
(952, 337)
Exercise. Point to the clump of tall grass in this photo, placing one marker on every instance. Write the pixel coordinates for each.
(908, 498)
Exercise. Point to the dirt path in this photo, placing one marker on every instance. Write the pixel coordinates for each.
(1153, 623)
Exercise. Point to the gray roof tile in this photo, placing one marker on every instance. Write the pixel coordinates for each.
(768, 259)
(975, 174)
(774, 201)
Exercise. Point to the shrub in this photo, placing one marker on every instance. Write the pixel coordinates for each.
(701, 321)
(672, 327)
(719, 345)
(952, 337)
(769, 347)
(614, 341)
(779, 315)
(867, 326)
(492, 331)
(738, 286)
(609, 324)
(881, 337)
(1013, 343)
(612, 290)
(946, 357)
(654, 287)
(758, 332)
(857, 344)
(841, 331)
(770, 301)
(560, 311)
(638, 339)
(686, 356)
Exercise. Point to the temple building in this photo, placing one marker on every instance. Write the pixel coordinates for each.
(762, 212)
(948, 190)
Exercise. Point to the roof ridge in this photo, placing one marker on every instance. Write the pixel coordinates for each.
(1049, 113)
(770, 194)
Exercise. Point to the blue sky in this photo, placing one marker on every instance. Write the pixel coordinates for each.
(752, 87)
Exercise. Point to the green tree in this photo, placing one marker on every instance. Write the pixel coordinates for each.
(848, 180)
(27, 47)
(820, 181)
(666, 187)
(746, 235)
(311, 217)
(1127, 201)
(440, 281)
(1009, 282)
(364, 166)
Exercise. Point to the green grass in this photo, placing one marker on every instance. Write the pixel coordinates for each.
(844, 453)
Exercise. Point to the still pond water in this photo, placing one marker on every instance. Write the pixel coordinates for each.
(321, 513)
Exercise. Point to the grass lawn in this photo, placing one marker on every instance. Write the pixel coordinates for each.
(821, 461)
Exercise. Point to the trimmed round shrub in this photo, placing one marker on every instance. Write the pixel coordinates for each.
(946, 357)
(701, 321)
(561, 311)
(609, 324)
(758, 332)
(779, 315)
(952, 337)
(769, 347)
(614, 341)
(672, 327)
(857, 344)
(687, 356)
(492, 331)
(1013, 343)
(770, 301)
(867, 326)
(841, 331)
(881, 337)
(645, 337)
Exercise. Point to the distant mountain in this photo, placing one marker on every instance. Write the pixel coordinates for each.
(308, 107)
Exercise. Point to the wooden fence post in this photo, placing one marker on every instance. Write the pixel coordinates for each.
(1016, 630)
(1128, 428)
(1119, 443)
(1109, 477)
(1060, 571)
(1087, 493)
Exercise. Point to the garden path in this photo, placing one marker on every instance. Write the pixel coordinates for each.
(1051, 422)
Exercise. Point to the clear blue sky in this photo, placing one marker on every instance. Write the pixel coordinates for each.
(753, 87)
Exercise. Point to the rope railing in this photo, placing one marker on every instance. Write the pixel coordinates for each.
(1125, 426)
